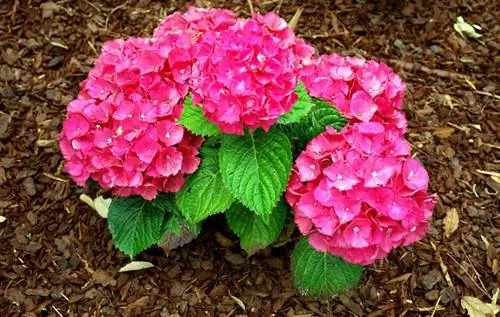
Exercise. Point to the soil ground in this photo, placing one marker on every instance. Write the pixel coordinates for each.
(56, 254)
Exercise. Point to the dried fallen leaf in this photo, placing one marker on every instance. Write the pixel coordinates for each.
(2, 219)
(444, 132)
(101, 205)
(401, 278)
(496, 179)
(494, 175)
(88, 200)
(136, 266)
(450, 222)
(238, 301)
(295, 19)
(469, 29)
(477, 308)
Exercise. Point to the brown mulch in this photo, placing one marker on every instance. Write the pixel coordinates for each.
(57, 257)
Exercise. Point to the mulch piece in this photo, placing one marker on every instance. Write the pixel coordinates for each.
(57, 257)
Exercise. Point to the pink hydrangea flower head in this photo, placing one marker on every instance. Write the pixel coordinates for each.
(121, 131)
(358, 195)
(362, 90)
(248, 73)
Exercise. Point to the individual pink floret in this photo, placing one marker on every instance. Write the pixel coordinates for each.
(362, 90)
(358, 194)
(248, 73)
(121, 131)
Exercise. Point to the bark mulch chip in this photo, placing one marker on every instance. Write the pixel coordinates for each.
(57, 257)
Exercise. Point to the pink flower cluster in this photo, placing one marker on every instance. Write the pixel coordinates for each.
(364, 91)
(248, 73)
(358, 194)
(246, 70)
(121, 131)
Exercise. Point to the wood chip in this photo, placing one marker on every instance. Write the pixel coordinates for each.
(444, 132)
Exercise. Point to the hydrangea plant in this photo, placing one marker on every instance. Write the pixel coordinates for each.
(217, 114)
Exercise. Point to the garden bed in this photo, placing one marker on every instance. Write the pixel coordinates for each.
(57, 257)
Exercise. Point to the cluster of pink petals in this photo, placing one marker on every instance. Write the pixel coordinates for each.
(121, 131)
(247, 74)
(364, 91)
(199, 20)
(358, 194)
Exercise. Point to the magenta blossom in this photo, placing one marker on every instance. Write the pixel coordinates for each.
(248, 73)
(358, 195)
(121, 131)
(362, 90)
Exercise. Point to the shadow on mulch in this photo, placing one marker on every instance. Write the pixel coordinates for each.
(57, 257)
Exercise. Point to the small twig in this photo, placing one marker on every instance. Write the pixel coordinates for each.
(92, 47)
(14, 10)
(438, 72)
(59, 179)
(231, 313)
(465, 129)
(474, 269)
(436, 306)
(121, 6)
(278, 7)
(469, 275)
(495, 146)
(92, 5)
(57, 311)
(497, 174)
(64, 296)
(250, 5)
(485, 93)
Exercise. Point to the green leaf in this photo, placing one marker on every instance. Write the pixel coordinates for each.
(204, 193)
(175, 224)
(176, 232)
(193, 119)
(255, 167)
(165, 201)
(253, 232)
(320, 273)
(300, 109)
(322, 115)
(134, 223)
